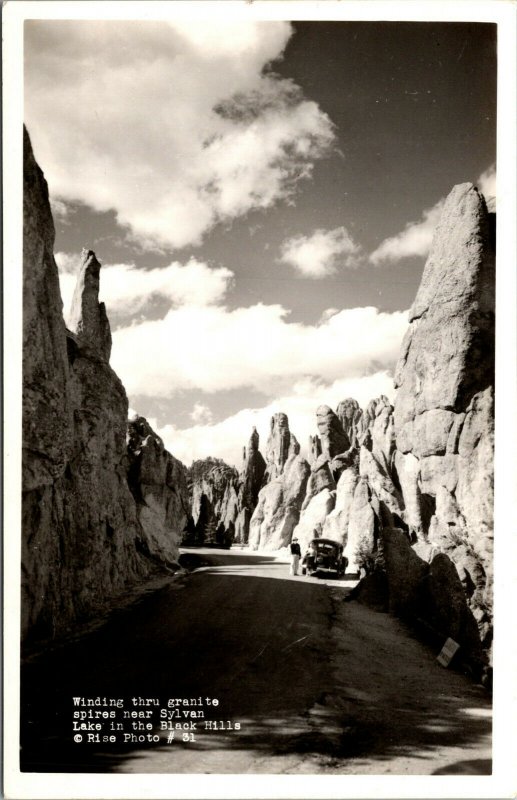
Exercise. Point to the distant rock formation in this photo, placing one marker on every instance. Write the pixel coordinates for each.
(213, 487)
(251, 480)
(280, 500)
(350, 416)
(281, 445)
(83, 539)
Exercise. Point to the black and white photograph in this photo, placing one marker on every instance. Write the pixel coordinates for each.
(250, 322)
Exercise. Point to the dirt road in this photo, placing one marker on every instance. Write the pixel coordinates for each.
(316, 685)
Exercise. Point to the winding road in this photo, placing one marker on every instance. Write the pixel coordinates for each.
(304, 682)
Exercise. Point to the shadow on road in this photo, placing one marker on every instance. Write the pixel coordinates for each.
(262, 647)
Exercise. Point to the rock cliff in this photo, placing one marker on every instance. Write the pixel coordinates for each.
(281, 445)
(444, 416)
(158, 483)
(279, 502)
(251, 480)
(83, 539)
(213, 487)
(413, 491)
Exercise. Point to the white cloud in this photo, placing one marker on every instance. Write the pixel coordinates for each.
(127, 290)
(486, 182)
(212, 348)
(61, 210)
(174, 126)
(321, 253)
(68, 263)
(414, 240)
(227, 438)
(201, 414)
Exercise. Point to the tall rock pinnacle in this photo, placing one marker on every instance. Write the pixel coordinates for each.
(88, 319)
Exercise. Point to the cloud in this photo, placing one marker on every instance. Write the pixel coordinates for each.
(227, 438)
(128, 290)
(414, 240)
(201, 414)
(174, 126)
(61, 210)
(486, 182)
(212, 348)
(68, 263)
(321, 254)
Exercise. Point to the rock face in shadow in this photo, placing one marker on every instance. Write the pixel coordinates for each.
(47, 410)
(213, 487)
(429, 592)
(251, 480)
(158, 483)
(81, 534)
(280, 500)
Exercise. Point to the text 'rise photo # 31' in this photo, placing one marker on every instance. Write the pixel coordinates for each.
(259, 408)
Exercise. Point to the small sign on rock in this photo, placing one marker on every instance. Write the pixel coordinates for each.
(447, 652)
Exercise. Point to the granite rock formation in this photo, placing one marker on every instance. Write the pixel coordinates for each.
(444, 405)
(337, 523)
(81, 534)
(314, 516)
(279, 502)
(88, 318)
(350, 416)
(251, 480)
(414, 493)
(213, 488)
(158, 483)
(281, 444)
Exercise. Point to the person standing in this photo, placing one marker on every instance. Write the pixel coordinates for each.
(295, 556)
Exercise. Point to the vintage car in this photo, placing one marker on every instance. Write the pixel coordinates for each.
(324, 555)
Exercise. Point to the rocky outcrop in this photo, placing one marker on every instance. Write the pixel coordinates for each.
(158, 483)
(332, 436)
(444, 405)
(81, 533)
(314, 516)
(337, 522)
(330, 453)
(213, 488)
(414, 493)
(350, 416)
(281, 444)
(251, 480)
(431, 593)
(365, 495)
(88, 318)
(361, 536)
(47, 410)
(279, 501)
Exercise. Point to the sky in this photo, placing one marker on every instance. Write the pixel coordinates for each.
(262, 196)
